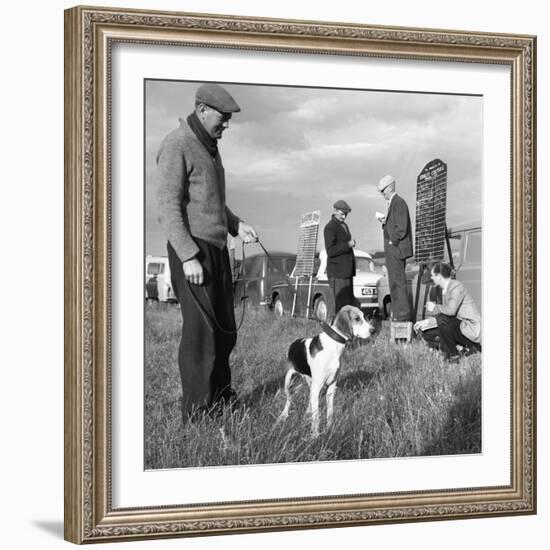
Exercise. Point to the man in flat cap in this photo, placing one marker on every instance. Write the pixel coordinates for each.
(396, 225)
(340, 258)
(193, 213)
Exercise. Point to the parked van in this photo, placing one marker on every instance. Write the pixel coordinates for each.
(258, 273)
(158, 284)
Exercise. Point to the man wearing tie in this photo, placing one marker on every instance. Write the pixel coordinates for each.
(340, 259)
(396, 226)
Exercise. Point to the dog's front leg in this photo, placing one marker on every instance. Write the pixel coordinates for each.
(308, 380)
(330, 402)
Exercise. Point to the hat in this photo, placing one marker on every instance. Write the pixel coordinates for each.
(385, 182)
(217, 97)
(342, 205)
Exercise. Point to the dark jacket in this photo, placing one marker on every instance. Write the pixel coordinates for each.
(397, 229)
(340, 258)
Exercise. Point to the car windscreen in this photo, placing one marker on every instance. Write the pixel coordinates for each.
(155, 268)
(364, 265)
(275, 265)
(455, 242)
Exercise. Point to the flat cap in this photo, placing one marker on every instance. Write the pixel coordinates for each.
(217, 97)
(342, 205)
(384, 182)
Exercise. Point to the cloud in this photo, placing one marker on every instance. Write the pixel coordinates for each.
(291, 150)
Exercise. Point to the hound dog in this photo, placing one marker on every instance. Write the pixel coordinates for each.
(317, 359)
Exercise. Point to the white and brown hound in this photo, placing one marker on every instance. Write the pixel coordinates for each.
(317, 359)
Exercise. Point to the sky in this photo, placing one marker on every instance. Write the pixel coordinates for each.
(291, 150)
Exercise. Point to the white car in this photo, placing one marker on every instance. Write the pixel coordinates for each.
(158, 283)
(364, 283)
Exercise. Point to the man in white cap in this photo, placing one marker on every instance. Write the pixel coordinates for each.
(340, 258)
(193, 213)
(396, 225)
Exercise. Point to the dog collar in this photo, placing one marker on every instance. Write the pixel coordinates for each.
(327, 329)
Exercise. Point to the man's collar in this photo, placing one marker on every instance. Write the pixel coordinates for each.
(391, 197)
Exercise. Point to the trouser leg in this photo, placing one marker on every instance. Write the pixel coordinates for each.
(431, 337)
(400, 302)
(204, 350)
(451, 336)
(226, 336)
(342, 290)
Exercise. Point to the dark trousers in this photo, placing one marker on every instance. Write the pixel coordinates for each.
(342, 290)
(400, 303)
(447, 336)
(207, 336)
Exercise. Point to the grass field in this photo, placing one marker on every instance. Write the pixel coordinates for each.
(391, 401)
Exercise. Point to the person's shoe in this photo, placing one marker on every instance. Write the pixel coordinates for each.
(228, 398)
(452, 359)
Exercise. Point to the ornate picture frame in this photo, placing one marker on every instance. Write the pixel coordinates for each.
(90, 35)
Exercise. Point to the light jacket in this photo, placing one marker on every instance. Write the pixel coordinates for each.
(458, 303)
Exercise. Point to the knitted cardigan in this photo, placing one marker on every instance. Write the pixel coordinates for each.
(191, 194)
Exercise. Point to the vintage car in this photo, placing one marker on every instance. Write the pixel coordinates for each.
(255, 276)
(158, 284)
(285, 294)
(466, 246)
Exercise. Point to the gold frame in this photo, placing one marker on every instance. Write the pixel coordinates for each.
(89, 34)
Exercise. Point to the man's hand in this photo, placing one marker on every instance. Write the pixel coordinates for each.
(351, 243)
(421, 325)
(192, 269)
(247, 233)
(380, 217)
(430, 306)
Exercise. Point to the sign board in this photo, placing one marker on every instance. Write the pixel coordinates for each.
(307, 244)
(431, 207)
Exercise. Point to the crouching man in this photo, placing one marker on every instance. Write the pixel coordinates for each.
(456, 320)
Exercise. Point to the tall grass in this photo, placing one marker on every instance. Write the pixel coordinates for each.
(392, 401)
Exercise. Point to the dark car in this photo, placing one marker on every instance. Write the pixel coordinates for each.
(286, 296)
(466, 246)
(256, 275)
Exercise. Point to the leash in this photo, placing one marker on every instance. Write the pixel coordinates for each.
(324, 325)
(270, 259)
(210, 317)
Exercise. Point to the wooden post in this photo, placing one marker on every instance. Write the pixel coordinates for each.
(294, 299)
(421, 270)
(309, 296)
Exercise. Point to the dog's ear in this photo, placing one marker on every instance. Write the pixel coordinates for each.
(343, 322)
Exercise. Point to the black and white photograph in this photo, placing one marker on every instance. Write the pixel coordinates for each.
(313, 274)
(300, 274)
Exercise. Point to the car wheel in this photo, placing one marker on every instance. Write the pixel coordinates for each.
(278, 308)
(320, 309)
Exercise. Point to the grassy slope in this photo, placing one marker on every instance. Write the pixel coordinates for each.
(391, 401)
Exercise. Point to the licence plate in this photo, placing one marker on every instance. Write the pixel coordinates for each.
(368, 291)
